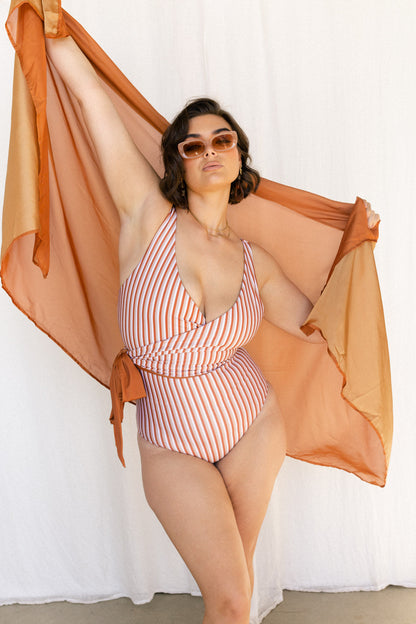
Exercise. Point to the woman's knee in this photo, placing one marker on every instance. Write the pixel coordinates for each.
(230, 604)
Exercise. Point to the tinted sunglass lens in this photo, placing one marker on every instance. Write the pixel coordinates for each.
(193, 149)
(223, 142)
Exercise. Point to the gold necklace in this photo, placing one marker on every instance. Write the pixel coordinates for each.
(212, 232)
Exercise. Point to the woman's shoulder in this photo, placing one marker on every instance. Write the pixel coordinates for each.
(137, 232)
(264, 263)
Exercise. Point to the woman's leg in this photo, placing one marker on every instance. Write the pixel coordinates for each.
(213, 513)
(189, 497)
(249, 471)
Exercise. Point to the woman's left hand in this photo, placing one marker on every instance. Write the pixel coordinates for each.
(372, 217)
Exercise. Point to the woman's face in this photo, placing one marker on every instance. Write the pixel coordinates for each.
(213, 169)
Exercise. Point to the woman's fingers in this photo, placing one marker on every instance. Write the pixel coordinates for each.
(372, 217)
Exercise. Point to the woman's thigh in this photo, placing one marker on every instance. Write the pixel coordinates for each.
(250, 469)
(189, 497)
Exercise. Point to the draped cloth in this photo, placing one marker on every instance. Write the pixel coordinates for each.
(60, 260)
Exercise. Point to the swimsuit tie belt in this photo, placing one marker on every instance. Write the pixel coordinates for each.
(126, 384)
(177, 374)
(180, 362)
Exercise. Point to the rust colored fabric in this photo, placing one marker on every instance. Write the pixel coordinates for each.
(60, 266)
(126, 385)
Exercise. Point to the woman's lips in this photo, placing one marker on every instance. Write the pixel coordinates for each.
(210, 166)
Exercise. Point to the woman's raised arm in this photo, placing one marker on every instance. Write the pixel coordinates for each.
(130, 178)
(284, 304)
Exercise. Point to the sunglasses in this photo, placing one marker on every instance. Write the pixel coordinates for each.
(193, 148)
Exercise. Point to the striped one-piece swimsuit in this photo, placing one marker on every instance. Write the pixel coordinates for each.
(203, 390)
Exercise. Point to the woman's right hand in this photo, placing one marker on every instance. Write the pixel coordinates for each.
(372, 217)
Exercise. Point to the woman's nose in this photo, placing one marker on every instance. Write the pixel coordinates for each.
(209, 150)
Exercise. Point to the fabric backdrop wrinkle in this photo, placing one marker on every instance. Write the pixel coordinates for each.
(311, 149)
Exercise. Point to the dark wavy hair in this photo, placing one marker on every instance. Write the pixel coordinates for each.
(173, 184)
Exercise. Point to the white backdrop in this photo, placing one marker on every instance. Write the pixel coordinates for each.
(326, 93)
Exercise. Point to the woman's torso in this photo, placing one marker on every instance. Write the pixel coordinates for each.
(211, 268)
(203, 389)
(155, 305)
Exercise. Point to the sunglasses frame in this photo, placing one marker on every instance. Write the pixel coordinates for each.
(207, 144)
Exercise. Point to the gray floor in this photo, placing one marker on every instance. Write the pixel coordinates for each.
(393, 605)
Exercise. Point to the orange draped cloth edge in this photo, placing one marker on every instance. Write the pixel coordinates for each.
(60, 261)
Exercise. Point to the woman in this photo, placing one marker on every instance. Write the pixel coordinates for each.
(201, 470)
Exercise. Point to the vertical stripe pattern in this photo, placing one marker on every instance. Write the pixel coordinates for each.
(203, 390)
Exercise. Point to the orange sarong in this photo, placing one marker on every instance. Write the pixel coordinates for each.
(60, 260)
